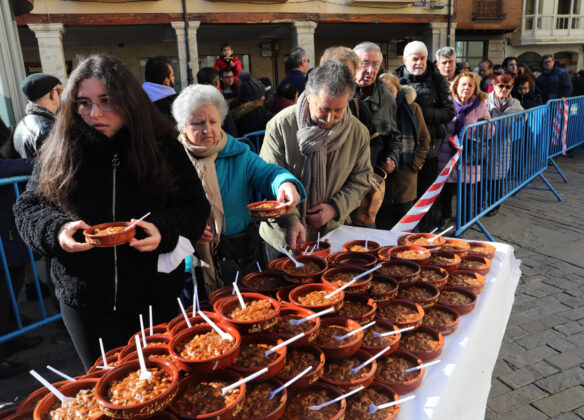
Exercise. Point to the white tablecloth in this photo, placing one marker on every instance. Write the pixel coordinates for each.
(458, 386)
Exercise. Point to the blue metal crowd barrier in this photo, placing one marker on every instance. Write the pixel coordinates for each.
(257, 137)
(5, 183)
(498, 159)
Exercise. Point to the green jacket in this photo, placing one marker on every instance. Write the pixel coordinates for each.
(348, 171)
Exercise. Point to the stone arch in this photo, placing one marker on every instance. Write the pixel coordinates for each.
(530, 58)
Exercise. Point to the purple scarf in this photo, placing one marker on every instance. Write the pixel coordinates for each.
(462, 111)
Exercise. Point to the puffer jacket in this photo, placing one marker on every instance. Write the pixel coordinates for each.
(434, 98)
(33, 130)
(530, 100)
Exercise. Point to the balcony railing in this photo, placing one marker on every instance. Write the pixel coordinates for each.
(552, 28)
(487, 10)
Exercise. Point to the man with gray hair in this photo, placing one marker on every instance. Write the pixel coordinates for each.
(296, 68)
(324, 146)
(446, 63)
(433, 96)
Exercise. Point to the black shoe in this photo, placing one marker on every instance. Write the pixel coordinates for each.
(8, 369)
(493, 212)
(21, 343)
(31, 293)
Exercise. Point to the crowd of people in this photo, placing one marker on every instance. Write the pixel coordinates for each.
(105, 148)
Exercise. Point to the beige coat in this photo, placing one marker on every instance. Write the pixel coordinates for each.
(348, 171)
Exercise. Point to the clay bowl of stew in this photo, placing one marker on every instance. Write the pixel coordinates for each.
(190, 348)
(424, 342)
(318, 393)
(446, 260)
(153, 352)
(34, 397)
(383, 254)
(258, 405)
(112, 361)
(160, 329)
(427, 240)
(410, 253)
(382, 288)
(339, 276)
(266, 282)
(330, 258)
(284, 330)
(13, 414)
(276, 264)
(252, 356)
(339, 374)
(422, 293)
(470, 280)
(481, 265)
(92, 411)
(156, 400)
(359, 308)
(283, 295)
(223, 292)
(356, 259)
(179, 323)
(331, 327)
(457, 246)
(265, 210)
(359, 246)
(391, 371)
(310, 273)
(322, 250)
(458, 298)
(312, 296)
(436, 276)
(109, 234)
(442, 318)
(151, 340)
(379, 393)
(401, 240)
(482, 250)
(402, 312)
(404, 272)
(214, 406)
(297, 360)
(261, 312)
(374, 344)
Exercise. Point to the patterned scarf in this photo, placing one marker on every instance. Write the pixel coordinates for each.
(462, 111)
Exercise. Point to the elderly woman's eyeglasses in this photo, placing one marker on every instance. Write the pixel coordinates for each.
(504, 86)
(84, 106)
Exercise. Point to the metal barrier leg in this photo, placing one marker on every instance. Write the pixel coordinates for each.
(550, 187)
(485, 231)
(558, 170)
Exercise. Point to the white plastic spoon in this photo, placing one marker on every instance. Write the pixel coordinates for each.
(223, 334)
(142, 331)
(51, 388)
(290, 382)
(342, 337)
(296, 263)
(348, 394)
(440, 234)
(309, 317)
(182, 309)
(422, 366)
(130, 226)
(61, 374)
(103, 353)
(151, 319)
(373, 408)
(144, 373)
(284, 344)
(239, 297)
(344, 286)
(385, 334)
(226, 389)
(362, 365)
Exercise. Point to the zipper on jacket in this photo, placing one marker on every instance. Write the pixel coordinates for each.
(115, 164)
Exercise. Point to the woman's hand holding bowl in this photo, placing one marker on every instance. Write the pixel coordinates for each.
(288, 193)
(66, 239)
(207, 236)
(151, 241)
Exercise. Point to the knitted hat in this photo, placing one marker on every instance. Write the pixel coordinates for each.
(250, 88)
(37, 85)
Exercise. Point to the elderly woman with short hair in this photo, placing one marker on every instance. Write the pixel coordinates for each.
(228, 171)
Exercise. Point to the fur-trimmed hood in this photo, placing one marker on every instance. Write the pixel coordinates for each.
(246, 107)
(410, 93)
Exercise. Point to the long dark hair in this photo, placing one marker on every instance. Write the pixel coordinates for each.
(147, 128)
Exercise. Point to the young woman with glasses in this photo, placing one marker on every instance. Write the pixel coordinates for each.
(111, 157)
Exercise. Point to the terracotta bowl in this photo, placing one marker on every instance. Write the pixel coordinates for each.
(362, 317)
(112, 361)
(346, 386)
(470, 280)
(413, 320)
(461, 308)
(359, 287)
(162, 338)
(273, 413)
(439, 260)
(267, 282)
(391, 340)
(313, 375)
(412, 291)
(330, 258)
(481, 265)
(382, 288)
(482, 249)
(179, 323)
(70, 389)
(310, 331)
(423, 239)
(99, 240)
(336, 300)
(34, 397)
(340, 351)
(283, 295)
(17, 415)
(205, 365)
(265, 210)
(276, 264)
(273, 367)
(401, 240)
(436, 276)
(204, 305)
(322, 250)
(457, 246)
(402, 271)
(250, 327)
(407, 385)
(302, 278)
(227, 413)
(410, 253)
(425, 355)
(160, 329)
(153, 352)
(7, 412)
(439, 323)
(223, 292)
(383, 254)
(142, 410)
(390, 413)
(131, 347)
(164, 415)
(334, 393)
(359, 245)
(356, 259)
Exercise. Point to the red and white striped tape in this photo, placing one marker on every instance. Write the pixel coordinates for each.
(565, 130)
(556, 135)
(413, 217)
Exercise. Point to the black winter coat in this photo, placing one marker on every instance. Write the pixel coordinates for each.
(376, 142)
(530, 100)
(86, 279)
(433, 97)
(32, 130)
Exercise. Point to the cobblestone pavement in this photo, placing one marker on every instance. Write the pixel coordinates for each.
(540, 370)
